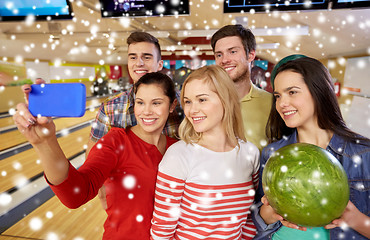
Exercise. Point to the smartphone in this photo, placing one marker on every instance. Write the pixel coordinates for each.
(57, 100)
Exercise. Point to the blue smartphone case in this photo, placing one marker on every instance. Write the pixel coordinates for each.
(58, 100)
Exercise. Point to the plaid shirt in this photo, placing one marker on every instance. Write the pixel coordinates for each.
(118, 111)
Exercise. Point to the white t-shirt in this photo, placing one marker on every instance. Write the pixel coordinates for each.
(205, 194)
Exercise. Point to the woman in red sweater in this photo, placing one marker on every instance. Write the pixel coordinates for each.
(127, 158)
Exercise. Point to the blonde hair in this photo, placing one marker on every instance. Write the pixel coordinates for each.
(221, 83)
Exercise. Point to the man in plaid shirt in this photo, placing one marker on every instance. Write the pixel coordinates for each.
(144, 56)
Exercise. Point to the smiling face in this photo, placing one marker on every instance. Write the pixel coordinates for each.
(294, 101)
(203, 107)
(231, 56)
(151, 107)
(142, 59)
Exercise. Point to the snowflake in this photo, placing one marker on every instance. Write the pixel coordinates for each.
(5, 199)
(52, 236)
(229, 173)
(193, 206)
(21, 181)
(35, 224)
(129, 182)
(173, 185)
(49, 214)
(357, 159)
(175, 212)
(234, 219)
(64, 132)
(139, 218)
(45, 131)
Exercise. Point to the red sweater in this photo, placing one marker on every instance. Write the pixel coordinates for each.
(128, 168)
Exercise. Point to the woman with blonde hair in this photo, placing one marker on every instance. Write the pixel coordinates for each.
(206, 182)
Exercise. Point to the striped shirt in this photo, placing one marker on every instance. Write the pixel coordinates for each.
(201, 194)
(118, 111)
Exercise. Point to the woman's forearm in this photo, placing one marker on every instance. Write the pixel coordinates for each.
(361, 224)
(53, 160)
(40, 132)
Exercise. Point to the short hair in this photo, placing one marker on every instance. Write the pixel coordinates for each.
(164, 81)
(245, 35)
(223, 86)
(319, 82)
(137, 37)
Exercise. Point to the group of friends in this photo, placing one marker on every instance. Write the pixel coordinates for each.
(170, 166)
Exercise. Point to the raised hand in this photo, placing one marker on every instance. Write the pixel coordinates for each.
(26, 88)
(36, 130)
(40, 132)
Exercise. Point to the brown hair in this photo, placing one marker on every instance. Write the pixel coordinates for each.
(137, 37)
(245, 34)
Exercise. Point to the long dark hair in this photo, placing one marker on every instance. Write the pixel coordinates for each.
(320, 85)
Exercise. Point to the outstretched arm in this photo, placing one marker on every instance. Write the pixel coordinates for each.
(40, 132)
(101, 194)
(99, 129)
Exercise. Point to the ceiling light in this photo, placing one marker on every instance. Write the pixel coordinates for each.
(286, 31)
(177, 47)
(268, 46)
(196, 33)
(302, 30)
(159, 34)
(165, 53)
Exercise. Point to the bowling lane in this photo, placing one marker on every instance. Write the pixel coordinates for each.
(59, 222)
(6, 121)
(23, 166)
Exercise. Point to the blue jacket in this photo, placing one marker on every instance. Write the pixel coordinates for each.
(355, 159)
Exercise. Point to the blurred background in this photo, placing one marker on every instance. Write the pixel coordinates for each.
(85, 41)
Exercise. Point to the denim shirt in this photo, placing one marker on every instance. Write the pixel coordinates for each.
(355, 159)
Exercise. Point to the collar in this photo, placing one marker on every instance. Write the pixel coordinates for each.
(292, 138)
(131, 96)
(337, 144)
(254, 92)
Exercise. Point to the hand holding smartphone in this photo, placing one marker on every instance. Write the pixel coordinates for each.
(57, 100)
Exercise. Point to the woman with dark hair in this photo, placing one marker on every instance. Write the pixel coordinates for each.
(125, 159)
(305, 109)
